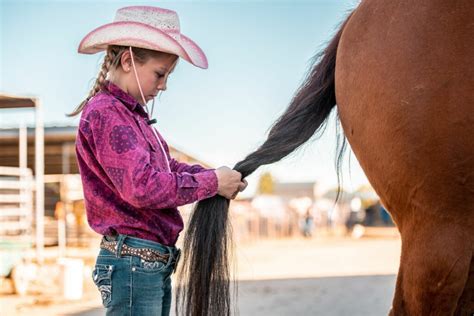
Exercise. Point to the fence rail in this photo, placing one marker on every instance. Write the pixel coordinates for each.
(16, 201)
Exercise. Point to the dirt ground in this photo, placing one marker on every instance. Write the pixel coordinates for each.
(319, 276)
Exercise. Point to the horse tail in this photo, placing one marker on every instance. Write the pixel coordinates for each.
(204, 279)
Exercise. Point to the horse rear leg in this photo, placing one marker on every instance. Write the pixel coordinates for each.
(434, 267)
(466, 302)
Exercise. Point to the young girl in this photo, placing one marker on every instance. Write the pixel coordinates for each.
(132, 186)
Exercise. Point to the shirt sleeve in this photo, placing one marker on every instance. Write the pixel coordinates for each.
(177, 166)
(125, 157)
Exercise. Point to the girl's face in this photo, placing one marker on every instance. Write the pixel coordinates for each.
(153, 76)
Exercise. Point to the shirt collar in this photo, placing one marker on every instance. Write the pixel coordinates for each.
(129, 101)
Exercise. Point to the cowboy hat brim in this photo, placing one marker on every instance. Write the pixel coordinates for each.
(140, 35)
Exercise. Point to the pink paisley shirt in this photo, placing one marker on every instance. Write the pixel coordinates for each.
(128, 188)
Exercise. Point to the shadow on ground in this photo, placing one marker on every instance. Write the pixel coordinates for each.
(327, 296)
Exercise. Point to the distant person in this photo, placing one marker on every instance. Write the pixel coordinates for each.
(132, 186)
(308, 223)
(354, 215)
(370, 215)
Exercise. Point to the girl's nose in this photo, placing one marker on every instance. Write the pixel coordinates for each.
(162, 85)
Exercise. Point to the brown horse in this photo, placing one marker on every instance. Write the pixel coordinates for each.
(402, 75)
(405, 94)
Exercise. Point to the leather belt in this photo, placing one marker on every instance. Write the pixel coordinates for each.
(147, 254)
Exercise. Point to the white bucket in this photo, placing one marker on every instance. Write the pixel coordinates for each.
(72, 278)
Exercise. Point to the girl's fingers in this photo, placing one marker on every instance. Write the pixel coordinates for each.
(235, 194)
(243, 185)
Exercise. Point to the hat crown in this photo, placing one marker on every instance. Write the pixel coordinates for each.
(145, 27)
(165, 20)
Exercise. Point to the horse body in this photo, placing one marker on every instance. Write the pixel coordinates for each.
(404, 88)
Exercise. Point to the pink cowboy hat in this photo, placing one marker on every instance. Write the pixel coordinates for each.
(145, 27)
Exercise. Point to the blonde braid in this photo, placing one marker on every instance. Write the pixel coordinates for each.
(112, 61)
(109, 59)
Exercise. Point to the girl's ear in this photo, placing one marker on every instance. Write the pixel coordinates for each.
(126, 61)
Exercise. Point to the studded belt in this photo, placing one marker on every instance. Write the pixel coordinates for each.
(147, 254)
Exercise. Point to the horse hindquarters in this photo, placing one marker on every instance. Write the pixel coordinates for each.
(403, 82)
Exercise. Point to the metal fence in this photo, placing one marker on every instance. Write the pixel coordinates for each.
(16, 202)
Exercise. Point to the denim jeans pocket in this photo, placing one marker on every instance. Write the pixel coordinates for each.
(102, 277)
(141, 265)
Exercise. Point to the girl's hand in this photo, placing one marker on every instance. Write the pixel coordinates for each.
(243, 184)
(228, 182)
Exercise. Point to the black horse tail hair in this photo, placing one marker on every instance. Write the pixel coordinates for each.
(204, 278)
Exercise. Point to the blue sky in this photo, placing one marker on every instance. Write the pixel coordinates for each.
(258, 54)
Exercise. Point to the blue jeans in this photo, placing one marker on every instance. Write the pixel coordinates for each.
(130, 285)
